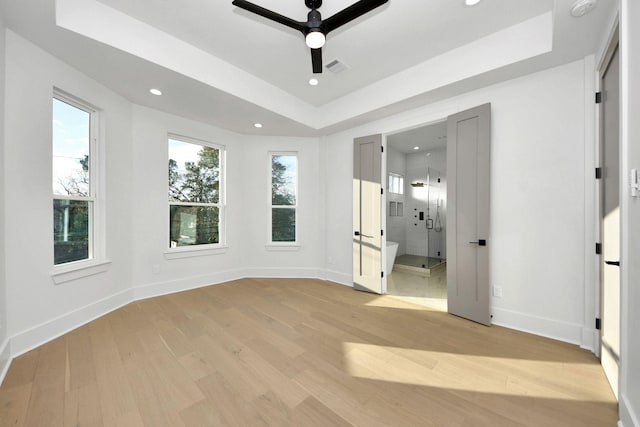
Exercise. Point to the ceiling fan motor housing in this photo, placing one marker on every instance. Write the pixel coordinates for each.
(313, 4)
(314, 22)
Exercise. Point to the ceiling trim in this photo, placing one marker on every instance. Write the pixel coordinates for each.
(97, 21)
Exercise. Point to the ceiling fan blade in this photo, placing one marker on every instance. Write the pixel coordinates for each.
(350, 13)
(316, 60)
(266, 13)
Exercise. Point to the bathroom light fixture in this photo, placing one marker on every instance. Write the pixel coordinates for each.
(155, 91)
(257, 125)
(471, 2)
(313, 82)
(416, 148)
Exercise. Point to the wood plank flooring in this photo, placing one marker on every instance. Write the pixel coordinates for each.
(300, 352)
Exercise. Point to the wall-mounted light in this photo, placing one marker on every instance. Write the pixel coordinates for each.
(156, 92)
(257, 125)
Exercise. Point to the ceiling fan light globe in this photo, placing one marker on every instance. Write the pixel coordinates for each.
(315, 39)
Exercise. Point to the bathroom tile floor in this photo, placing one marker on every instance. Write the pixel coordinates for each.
(419, 289)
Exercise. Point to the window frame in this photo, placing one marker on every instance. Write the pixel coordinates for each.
(393, 176)
(279, 245)
(208, 248)
(96, 235)
(94, 249)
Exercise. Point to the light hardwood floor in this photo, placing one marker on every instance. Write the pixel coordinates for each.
(273, 352)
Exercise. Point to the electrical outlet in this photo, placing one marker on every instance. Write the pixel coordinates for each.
(497, 291)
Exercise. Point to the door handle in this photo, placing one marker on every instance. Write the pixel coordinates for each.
(616, 263)
(480, 242)
(357, 233)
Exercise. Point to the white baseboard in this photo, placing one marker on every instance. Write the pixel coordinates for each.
(341, 278)
(589, 339)
(193, 282)
(628, 415)
(40, 334)
(302, 273)
(550, 328)
(5, 358)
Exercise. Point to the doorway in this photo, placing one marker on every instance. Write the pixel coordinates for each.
(416, 215)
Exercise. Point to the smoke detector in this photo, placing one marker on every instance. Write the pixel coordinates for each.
(582, 7)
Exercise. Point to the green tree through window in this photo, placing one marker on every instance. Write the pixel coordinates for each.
(284, 171)
(73, 201)
(194, 194)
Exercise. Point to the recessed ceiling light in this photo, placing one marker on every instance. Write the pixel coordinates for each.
(416, 148)
(257, 125)
(313, 82)
(471, 2)
(156, 92)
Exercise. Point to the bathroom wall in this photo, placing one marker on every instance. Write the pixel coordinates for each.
(421, 236)
(397, 163)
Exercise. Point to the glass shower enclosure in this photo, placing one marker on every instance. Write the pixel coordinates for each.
(425, 222)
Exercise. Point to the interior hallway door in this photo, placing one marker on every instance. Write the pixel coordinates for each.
(610, 221)
(367, 214)
(468, 172)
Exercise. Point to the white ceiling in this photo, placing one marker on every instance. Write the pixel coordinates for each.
(426, 138)
(224, 66)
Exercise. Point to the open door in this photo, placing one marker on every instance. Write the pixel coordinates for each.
(610, 221)
(367, 214)
(468, 167)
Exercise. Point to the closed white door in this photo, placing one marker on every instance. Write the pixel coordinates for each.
(468, 167)
(367, 214)
(610, 222)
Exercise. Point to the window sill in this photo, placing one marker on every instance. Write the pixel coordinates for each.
(282, 247)
(188, 252)
(75, 271)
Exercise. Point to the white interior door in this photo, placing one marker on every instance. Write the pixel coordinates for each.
(367, 214)
(468, 167)
(610, 222)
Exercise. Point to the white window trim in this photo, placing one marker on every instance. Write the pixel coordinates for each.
(282, 246)
(96, 261)
(398, 176)
(207, 249)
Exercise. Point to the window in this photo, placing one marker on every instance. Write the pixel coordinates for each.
(396, 183)
(74, 179)
(284, 198)
(195, 193)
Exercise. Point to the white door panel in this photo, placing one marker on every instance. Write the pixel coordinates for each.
(468, 167)
(367, 214)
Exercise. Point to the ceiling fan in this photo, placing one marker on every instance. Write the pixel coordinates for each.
(315, 28)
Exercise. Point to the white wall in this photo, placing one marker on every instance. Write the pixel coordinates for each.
(537, 196)
(247, 174)
(4, 344)
(396, 163)
(630, 89)
(153, 272)
(135, 152)
(39, 309)
(307, 260)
